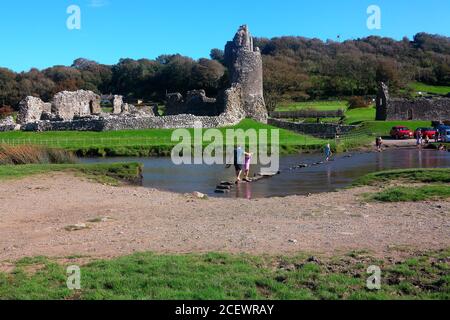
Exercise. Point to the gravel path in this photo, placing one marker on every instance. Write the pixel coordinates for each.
(35, 212)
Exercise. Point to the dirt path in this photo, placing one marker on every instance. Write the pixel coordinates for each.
(35, 211)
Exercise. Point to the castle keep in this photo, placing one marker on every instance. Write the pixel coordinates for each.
(80, 110)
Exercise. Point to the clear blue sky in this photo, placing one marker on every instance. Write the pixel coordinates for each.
(34, 33)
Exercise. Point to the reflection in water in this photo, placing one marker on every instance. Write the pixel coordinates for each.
(163, 174)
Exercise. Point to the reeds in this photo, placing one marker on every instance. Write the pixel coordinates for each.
(28, 154)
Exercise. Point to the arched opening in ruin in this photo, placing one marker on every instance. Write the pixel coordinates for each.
(410, 114)
(91, 107)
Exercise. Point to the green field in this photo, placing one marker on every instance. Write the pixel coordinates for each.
(142, 142)
(421, 87)
(214, 276)
(112, 174)
(317, 105)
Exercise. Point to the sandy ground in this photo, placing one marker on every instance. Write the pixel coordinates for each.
(35, 211)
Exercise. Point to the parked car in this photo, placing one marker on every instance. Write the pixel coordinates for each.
(444, 134)
(429, 132)
(401, 132)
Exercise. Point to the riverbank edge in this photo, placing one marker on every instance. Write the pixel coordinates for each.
(106, 173)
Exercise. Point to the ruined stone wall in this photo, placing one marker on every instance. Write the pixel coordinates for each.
(68, 104)
(196, 103)
(432, 109)
(117, 103)
(31, 109)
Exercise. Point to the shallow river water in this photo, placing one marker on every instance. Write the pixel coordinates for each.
(161, 173)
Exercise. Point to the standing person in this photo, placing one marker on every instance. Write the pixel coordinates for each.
(419, 138)
(379, 144)
(238, 161)
(248, 161)
(328, 152)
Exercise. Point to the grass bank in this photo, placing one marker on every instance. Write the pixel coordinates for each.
(407, 175)
(223, 276)
(112, 174)
(26, 154)
(412, 194)
(422, 87)
(436, 188)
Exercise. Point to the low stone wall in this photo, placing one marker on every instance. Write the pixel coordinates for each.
(321, 130)
(132, 122)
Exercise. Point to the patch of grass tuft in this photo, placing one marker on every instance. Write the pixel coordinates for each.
(413, 194)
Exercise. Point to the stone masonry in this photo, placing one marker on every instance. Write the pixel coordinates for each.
(245, 66)
(66, 105)
(431, 108)
(244, 63)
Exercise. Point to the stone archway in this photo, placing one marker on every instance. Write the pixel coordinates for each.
(410, 114)
(91, 107)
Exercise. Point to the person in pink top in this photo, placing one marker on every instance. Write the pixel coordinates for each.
(248, 161)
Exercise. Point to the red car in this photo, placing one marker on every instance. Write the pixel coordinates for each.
(401, 132)
(429, 132)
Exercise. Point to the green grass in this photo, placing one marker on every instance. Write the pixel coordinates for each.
(359, 115)
(405, 194)
(317, 105)
(421, 87)
(104, 173)
(141, 142)
(214, 276)
(408, 175)
(354, 116)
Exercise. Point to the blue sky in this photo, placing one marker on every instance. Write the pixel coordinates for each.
(34, 33)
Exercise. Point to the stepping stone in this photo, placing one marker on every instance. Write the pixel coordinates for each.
(221, 191)
(223, 187)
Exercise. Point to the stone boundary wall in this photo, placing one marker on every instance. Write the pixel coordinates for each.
(419, 109)
(426, 108)
(131, 123)
(320, 130)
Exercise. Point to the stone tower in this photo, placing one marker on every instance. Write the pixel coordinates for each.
(245, 66)
(382, 102)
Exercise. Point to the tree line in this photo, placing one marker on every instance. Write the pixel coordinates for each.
(295, 68)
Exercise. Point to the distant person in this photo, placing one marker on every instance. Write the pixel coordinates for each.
(238, 161)
(442, 147)
(247, 163)
(419, 138)
(379, 144)
(328, 152)
(427, 140)
(437, 137)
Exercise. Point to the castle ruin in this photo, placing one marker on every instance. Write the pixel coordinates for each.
(81, 110)
(429, 108)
